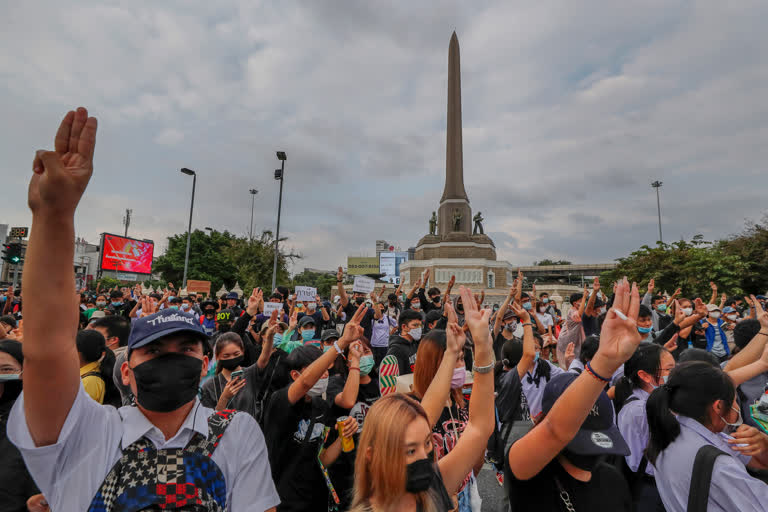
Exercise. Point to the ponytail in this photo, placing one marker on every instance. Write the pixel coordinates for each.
(646, 358)
(691, 389)
(623, 390)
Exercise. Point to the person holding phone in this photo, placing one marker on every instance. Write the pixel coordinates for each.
(227, 389)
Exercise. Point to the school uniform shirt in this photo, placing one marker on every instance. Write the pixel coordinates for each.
(732, 488)
(71, 471)
(294, 448)
(380, 331)
(633, 425)
(535, 392)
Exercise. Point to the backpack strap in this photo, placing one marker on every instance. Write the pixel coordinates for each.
(701, 477)
(95, 373)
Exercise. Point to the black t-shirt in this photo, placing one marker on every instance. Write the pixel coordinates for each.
(16, 485)
(244, 400)
(607, 490)
(293, 450)
(590, 324)
(366, 323)
(498, 343)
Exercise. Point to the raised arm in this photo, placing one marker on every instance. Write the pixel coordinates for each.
(755, 347)
(673, 298)
(267, 341)
(472, 443)
(502, 311)
(584, 303)
(593, 297)
(447, 296)
(713, 298)
(741, 375)
(340, 288)
(618, 340)
(348, 396)
(51, 363)
(529, 342)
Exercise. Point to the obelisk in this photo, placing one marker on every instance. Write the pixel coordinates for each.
(454, 210)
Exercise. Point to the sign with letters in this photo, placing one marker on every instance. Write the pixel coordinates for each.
(363, 284)
(306, 293)
(269, 307)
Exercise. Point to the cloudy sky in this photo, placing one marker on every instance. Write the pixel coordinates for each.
(571, 109)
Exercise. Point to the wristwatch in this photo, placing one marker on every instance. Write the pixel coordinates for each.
(483, 369)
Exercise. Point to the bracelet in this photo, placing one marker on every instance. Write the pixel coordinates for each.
(593, 373)
(482, 369)
(354, 368)
(764, 334)
(336, 346)
(528, 323)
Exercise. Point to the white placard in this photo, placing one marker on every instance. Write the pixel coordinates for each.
(363, 284)
(306, 293)
(269, 307)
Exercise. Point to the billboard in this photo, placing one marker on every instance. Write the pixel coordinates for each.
(126, 254)
(389, 265)
(360, 266)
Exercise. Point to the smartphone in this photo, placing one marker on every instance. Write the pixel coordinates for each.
(236, 374)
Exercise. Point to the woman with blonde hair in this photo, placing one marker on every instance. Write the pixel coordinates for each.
(395, 467)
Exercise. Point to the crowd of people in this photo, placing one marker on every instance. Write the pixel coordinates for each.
(123, 400)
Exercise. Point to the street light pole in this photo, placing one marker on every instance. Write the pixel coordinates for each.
(189, 172)
(279, 175)
(657, 185)
(253, 192)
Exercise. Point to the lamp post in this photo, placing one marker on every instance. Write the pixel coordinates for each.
(189, 172)
(253, 193)
(279, 175)
(657, 185)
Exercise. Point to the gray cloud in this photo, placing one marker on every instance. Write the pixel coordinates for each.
(570, 111)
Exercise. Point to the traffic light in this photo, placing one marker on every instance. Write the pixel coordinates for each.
(12, 252)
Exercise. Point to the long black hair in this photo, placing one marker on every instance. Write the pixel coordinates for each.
(647, 358)
(691, 389)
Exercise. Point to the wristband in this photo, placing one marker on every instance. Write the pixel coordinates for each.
(482, 369)
(528, 323)
(336, 346)
(593, 373)
(354, 368)
(764, 334)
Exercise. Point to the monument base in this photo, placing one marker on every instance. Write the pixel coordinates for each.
(456, 245)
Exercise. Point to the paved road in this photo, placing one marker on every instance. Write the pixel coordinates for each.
(490, 490)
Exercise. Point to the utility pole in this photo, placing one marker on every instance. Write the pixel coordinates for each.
(127, 220)
(253, 193)
(657, 185)
(279, 175)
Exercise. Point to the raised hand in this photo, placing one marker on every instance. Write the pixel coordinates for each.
(355, 352)
(671, 345)
(476, 318)
(340, 274)
(520, 313)
(256, 298)
(451, 283)
(619, 337)
(651, 285)
(570, 354)
(699, 308)
(60, 177)
(713, 286)
(679, 313)
(352, 330)
(595, 285)
(450, 313)
(760, 313)
(455, 338)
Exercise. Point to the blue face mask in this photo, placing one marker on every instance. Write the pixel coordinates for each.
(661, 308)
(545, 301)
(308, 335)
(277, 338)
(366, 365)
(527, 306)
(173, 307)
(536, 357)
(117, 304)
(644, 330)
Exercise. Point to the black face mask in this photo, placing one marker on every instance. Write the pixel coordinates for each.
(230, 364)
(585, 462)
(359, 300)
(419, 474)
(460, 308)
(167, 382)
(436, 299)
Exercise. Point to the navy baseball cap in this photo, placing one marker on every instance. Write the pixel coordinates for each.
(598, 435)
(232, 295)
(305, 320)
(163, 323)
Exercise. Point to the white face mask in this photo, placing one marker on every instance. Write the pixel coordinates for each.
(319, 388)
(732, 317)
(731, 427)
(715, 314)
(519, 330)
(415, 333)
(688, 311)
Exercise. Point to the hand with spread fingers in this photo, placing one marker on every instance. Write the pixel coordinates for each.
(352, 330)
(476, 318)
(619, 337)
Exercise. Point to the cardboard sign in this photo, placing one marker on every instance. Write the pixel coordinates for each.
(306, 293)
(269, 307)
(363, 284)
(198, 286)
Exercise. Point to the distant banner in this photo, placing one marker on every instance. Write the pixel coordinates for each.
(126, 254)
(359, 266)
(390, 265)
(197, 286)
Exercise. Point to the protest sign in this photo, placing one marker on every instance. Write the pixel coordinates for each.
(363, 284)
(269, 307)
(306, 293)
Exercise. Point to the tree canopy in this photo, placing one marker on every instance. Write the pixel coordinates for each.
(224, 259)
(550, 262)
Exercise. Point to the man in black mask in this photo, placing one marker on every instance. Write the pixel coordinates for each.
(85, 456)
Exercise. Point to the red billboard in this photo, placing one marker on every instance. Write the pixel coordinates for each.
(126, 254)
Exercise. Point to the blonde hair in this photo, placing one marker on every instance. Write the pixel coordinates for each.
(380, 465)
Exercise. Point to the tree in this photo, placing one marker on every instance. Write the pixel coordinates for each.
(550, 262)
(223, 259)
(686, 265)
(751, 247)
(324, 282)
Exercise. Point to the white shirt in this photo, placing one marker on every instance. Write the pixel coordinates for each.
(545, 319)
(70, 472)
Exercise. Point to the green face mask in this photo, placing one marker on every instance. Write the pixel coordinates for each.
(366, 365)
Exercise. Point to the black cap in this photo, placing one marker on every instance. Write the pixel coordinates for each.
(330, 334)
(598, 435)
(226, 316)
(307, 319)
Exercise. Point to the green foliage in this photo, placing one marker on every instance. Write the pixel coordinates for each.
(686, 265)
(550, 262)
(223, 259)
(106, 283)
(751, 247)
(323, 282)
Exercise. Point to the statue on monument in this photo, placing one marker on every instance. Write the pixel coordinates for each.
(433, 224)
(457, 216)
(478, 224)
